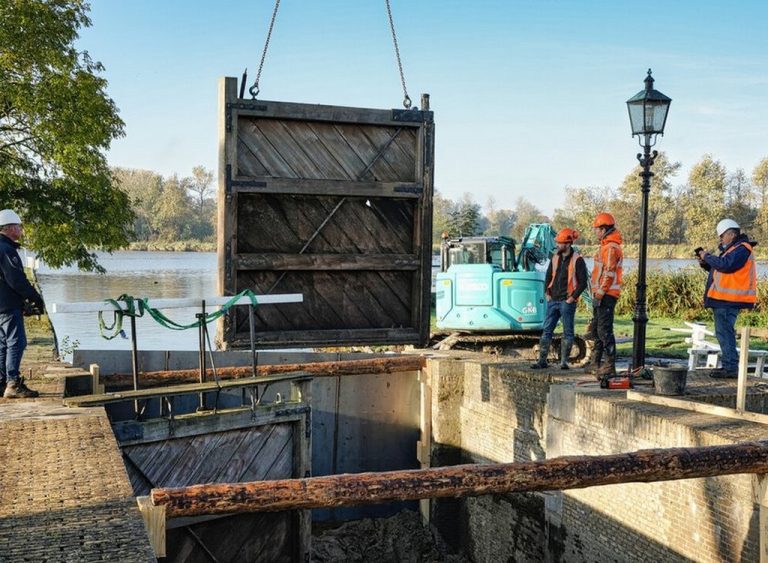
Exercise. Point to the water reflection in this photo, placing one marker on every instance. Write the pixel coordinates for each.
(156, 275)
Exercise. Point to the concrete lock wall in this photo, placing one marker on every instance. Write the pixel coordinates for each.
(359, 423)
(486, 412)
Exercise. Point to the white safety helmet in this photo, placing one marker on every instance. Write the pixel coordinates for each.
(722, 226)
(9, 217)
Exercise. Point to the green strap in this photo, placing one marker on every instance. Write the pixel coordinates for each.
(132, 307)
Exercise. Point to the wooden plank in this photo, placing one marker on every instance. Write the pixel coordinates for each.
(252, 138)
(563, 473)
(276, 261)
(741, 385)
(270, 225)
(249, 161)
(330, 337)
(423, 228)
(122, 396)
(274, 460)
(336, 114)
(243, 456)
(325, 162)
(157, 430)
(704, 408)
(154, 520)
(369, 152)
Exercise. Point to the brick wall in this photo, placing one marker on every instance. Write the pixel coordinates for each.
(503, 412)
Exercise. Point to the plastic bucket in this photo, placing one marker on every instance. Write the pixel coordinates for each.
(670, 380)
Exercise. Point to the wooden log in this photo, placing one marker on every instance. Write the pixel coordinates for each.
(317, 369)
(568, 472)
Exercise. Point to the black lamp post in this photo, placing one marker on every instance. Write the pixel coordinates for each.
(648, 115)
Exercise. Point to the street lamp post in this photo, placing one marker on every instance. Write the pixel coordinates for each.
(647, 114)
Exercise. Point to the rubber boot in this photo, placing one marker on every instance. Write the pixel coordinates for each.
(595, 359)
(565, 352)
(608, 369)
(543, 353)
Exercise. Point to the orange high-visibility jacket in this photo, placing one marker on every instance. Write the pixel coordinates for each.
(573, 283)
(739, 286)
(607, 271)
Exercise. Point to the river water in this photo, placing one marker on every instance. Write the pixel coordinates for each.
(159, 275)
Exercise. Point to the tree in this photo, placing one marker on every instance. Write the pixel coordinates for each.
(527, 213)
(174, 212)
(664, 217)
(499, 222)
(144, 188)
(465, 217)
(56, 122)
(704, 200)
(760, 185)
(739, 198)
(582, 204)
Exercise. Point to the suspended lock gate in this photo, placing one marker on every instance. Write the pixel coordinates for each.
(331, 202)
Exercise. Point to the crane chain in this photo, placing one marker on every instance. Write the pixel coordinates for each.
(406, 99)
(254, 90)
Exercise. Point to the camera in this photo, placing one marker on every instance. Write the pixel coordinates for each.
(696, 251)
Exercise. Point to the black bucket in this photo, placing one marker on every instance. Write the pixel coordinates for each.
(670, 380)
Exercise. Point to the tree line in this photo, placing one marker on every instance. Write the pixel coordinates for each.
(169, 209)
(684, 213)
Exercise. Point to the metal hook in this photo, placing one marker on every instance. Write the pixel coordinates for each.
(254, 90)
(407, 102)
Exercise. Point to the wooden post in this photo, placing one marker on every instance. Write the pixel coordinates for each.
(760, 489)
(154, 520)
(302, 464)
(741, 388)
(424, 445)
(568, 472)
(96, 387)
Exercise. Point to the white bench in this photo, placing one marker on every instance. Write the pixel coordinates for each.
(705, 354)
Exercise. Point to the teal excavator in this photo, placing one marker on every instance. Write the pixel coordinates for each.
(489, 294)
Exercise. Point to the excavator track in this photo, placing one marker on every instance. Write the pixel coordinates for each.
(523, 345)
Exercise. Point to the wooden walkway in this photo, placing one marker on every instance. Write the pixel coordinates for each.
(64, 491)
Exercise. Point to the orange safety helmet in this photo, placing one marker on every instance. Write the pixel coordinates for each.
(567, 235)
(604, 220)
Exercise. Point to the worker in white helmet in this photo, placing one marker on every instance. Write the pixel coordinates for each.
(731, 287)
(15, 293)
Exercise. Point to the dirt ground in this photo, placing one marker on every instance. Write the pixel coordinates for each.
(399, 538)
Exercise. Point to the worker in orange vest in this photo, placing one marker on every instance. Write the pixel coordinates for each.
(606, 288)
(565, 281)
(731, 287)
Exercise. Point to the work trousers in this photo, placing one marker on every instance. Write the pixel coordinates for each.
(13, 340)
(603, 315)
(725, 332)
(557, 310)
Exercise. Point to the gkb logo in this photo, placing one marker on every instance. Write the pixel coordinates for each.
(529, 309)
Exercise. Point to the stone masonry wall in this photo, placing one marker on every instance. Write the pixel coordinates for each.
(502, 412)
(712, 519)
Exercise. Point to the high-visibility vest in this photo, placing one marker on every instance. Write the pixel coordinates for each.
(573, 283)
(739, 286)
(598, 274)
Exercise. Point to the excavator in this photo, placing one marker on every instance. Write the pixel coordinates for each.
(489, 294)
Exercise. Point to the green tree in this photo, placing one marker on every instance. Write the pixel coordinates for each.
(465, 217)
(582, 204)
(739, 200)
(760, 186)
(664, 217)
(200, 184)
(175, 212)
(704, 202)
(498, 222)
(144, 188)
(527, 213)
(56, 122)
(441, 216)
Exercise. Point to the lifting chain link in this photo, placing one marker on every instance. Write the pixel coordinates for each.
(254, 90)
(406, 99)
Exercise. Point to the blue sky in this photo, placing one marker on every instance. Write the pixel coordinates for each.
(529, 96)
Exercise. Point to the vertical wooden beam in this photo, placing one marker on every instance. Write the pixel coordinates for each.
(226, 203)
(424, 223)
(154, 520)
(302, 465)
(741, 388)
(424, 445)
(96, 387)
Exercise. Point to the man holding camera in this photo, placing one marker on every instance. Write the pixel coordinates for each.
(731, 287)
(15, 293)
